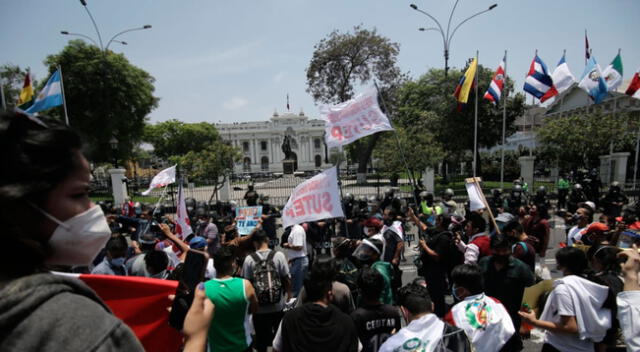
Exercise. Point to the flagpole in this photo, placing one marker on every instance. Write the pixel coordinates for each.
(635, 165)
(2, 99)
(156, 208)
(64, 100)
(505, 91)
(475, 124)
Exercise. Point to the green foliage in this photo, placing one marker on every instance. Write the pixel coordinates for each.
(174, 137)
(418, 143)
(12, 77)
(106, 96)
(579, 140)
(452, 129)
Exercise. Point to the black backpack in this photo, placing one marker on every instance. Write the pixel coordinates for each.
(266, 279)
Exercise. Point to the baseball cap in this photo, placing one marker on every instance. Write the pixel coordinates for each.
(197, 242)
(595, 227)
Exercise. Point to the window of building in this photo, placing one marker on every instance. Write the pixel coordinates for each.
(318, 160)
(263, 145)
(317, 143)
(246, 164)
(264, 163)
(245, 147)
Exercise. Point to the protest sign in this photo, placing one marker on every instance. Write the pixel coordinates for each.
(354, 119)
(247, 218)
(163, 178)
(315, 199)
(475, 200)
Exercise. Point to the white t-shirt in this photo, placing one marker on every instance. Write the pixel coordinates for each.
(560, 303)
(574, 235)
(422, 334)
(629, 316)
(297, 238)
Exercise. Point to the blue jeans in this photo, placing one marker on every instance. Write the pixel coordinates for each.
(299, 268)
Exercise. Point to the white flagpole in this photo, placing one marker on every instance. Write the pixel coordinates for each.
(504, 94)
(2, 99)
(64, 100)
(475, 124)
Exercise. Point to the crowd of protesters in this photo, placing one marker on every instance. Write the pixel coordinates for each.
(329, 285)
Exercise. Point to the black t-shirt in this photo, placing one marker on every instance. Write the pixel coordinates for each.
(375, 324)
(269, 225)
(392, 239)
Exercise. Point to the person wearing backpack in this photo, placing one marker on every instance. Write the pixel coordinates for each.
(268, 271)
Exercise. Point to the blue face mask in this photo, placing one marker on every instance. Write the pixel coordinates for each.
(453, 293)
(117, 262)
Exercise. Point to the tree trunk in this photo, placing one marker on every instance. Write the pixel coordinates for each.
(365, 154)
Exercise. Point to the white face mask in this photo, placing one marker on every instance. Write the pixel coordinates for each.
(77, 241)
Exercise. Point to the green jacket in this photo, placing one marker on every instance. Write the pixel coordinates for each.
(386, 270)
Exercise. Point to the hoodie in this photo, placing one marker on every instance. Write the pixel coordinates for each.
(46, 312)
(313, 327)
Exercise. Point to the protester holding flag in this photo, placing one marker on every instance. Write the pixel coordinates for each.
(48, 219)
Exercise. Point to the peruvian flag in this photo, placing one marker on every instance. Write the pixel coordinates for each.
(183, 225)
(494, 92)
(141, 303)
(634, 86)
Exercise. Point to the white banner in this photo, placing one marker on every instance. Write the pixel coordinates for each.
(183, 225)
(163, 178)
(475, 199)
(314, 199)
(354, 119)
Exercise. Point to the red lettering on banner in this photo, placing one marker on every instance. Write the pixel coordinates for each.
(336, 132)
(326, 199)
(299, 207)
(290, 213)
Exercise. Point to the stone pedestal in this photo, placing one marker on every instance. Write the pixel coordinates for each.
(526, 169)
(288, 167)
(118, 186)
(605, 170)
(619, 161)
(428, 180)
(224, 192)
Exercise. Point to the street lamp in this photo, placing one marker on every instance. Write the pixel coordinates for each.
(448, 35)
(113, 142)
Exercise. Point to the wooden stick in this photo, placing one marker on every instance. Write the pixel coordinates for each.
(476, 181)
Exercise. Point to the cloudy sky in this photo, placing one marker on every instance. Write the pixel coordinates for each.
(228, 61)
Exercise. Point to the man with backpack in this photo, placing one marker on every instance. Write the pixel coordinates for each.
(269, 273)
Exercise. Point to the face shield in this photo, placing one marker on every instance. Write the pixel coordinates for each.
(365, 251)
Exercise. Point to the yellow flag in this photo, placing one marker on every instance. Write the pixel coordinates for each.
(26, 94)
(466, 83)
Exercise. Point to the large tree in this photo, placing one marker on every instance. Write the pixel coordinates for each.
(342, 62)
(453, 129)
(106, 97)
(197, 148)
(12, 77)
(579, 140)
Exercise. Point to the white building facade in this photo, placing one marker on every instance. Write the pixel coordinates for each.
(260, 143)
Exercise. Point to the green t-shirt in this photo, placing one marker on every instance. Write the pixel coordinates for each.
(563, 184)
(229, 330)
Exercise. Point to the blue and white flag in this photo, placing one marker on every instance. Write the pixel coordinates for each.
(49, 97)
(562, 77)
(593, 82)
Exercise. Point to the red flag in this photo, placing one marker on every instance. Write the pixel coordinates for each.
(141, 303)
(634, 87)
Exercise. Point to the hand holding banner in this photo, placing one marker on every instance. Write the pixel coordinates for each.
(163, 178)
(354, 119)
(314, 199)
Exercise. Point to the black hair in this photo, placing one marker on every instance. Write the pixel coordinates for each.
(117, 245)
(468, 276)
(477, 221)
(223, 260)
(445, 221)
(371, 283)
(324, 268)
(513, 225)
(316, 287)
(499, 241)
(607, 256)
(589, 211)
(34, 159)
(156, 261)
(573, 259)
(414, 298)
(259, 236)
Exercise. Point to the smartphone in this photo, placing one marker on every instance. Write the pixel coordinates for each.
(193, 271)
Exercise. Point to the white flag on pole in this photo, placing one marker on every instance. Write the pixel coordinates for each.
(314, 199)
(183, 225)
(163, 178)
(475, 199)
(354, 119)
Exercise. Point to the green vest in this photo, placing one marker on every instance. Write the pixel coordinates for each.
(427, 210)
(563, 184)
(229, 327)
